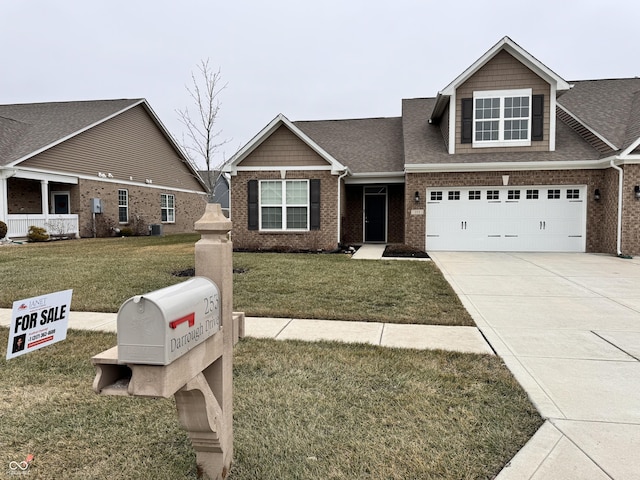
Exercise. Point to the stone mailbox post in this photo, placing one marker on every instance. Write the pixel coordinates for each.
(179, 341)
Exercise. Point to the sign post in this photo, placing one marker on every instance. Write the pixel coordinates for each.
(38, 322)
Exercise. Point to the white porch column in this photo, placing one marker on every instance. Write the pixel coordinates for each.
(44, 186)
(4, 211)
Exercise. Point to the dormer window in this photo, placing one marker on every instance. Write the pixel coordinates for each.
(502, 118)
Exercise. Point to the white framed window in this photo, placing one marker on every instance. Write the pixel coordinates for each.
(167, 208)
(493, 194)
(436, 196)
(502, 118)
(284, 205)
(123, 206)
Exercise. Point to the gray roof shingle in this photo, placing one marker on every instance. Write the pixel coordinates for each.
(369, 145)
(606, 106)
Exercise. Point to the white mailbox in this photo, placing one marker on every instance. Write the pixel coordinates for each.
(160, 326)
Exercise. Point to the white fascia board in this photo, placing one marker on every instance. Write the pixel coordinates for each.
(519, 53)
(34, 174)
(375, 178)
(552, 119)
(284, 169)
(511, 166)
(74, 134)
(232, 165)
(626, 153)
(452, 124)
(577, 119)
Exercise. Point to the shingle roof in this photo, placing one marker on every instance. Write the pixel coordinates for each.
(606, 106)
(27, 128)
(424, 144)
(369, 145)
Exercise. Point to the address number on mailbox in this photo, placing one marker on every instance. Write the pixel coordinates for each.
(160, 326)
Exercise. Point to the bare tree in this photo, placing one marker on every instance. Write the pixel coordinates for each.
(202, 138)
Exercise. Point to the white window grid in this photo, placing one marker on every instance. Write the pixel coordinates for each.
(502, 118)
(284, 205)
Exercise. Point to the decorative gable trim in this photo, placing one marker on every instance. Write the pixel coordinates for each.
(233, 166)
(447, 96)
(519, 54)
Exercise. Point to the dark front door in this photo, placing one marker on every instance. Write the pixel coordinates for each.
(375, 217)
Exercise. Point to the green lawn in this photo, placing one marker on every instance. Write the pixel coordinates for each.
(103, 273)
(301, 410)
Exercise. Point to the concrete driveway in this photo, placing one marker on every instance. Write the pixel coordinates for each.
(568, 326)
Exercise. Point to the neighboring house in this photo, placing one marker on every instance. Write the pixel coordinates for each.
(507, 157)
(93, 167)
(220, 187)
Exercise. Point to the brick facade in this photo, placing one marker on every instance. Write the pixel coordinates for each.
(144, 204)
(631, 211)
(326, 238)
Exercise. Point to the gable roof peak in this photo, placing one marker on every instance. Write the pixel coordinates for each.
(515, 50)
(280, 120)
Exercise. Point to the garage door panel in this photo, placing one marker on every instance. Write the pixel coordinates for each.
(538, 218)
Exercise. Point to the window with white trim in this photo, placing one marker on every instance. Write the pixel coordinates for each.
(284, 204)
(123, 206)
(502, 118)
(167, 208)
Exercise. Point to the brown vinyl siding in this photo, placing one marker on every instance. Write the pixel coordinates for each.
(283, 149)
(503, 72)
(140, 152)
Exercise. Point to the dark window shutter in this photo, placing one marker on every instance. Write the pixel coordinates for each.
(467, 120)
(252, 202)
(537, 117)
(314, 202)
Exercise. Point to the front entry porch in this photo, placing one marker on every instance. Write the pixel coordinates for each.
(30, 199)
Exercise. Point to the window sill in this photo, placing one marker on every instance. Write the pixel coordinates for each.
(517, 143)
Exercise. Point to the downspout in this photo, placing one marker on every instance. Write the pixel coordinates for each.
(344, 174)
(619, 230)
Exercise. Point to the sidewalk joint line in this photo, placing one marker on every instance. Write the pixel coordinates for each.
(614, 345)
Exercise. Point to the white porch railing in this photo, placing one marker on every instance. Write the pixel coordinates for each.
(57, 225)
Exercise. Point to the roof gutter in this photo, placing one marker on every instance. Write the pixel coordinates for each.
(342, 175)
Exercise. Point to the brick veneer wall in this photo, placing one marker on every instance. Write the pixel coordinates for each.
(395, 228)
(144, 202)
(326, 238)
(598, 213)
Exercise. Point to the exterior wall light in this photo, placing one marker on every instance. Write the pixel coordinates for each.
(596, 195)
(636, 191)
(416, 197)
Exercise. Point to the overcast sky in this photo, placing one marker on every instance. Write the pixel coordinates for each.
(324, 59)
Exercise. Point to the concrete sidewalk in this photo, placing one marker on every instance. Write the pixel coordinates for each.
(423, 337)
(568, 328)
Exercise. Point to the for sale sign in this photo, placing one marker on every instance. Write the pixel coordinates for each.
(38, 322)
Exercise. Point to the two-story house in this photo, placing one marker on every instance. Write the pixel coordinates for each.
(507, 157)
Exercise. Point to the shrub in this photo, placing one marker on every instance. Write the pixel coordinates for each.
(126, 232)
(37, 234)
(3, 229)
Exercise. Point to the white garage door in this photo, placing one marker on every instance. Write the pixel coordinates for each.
(509, 219)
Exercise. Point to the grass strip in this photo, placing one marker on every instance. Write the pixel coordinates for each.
(302, 410)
